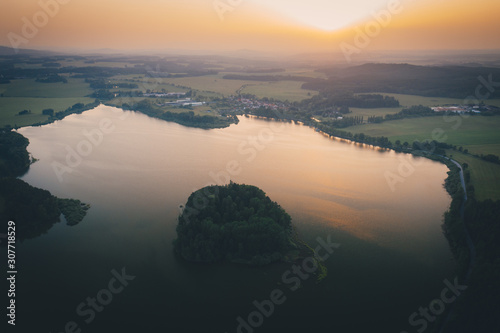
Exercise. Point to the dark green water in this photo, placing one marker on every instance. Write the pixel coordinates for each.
(392, 258)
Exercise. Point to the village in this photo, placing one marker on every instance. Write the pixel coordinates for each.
(242, 104)
(461, 109)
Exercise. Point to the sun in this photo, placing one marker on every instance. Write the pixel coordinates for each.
(328, 15)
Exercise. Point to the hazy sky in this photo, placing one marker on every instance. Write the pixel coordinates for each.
(287, 25)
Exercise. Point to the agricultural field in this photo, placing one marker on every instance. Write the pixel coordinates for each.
(306, 72)
(210, 83)
(410, 100)
(11, 106)
(484, 175)
(479, 134)
(77, 63)
(27, 94)
(83, 63)
(281, 90)
(215, 84)
(31, 88)
(198, 110)
(373, 112)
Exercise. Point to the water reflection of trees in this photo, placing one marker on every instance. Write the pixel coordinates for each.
(33, 210)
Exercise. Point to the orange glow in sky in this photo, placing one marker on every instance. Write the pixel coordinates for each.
(281, 25)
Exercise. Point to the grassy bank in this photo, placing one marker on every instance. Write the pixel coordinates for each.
(479, 134)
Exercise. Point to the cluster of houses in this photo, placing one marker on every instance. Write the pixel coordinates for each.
(460, 108)
(165, 95)
(184, 102)
(246, 103)
(180, 102)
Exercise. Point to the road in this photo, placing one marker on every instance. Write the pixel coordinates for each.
(468, 239)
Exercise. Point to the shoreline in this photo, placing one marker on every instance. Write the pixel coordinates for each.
(419, 153)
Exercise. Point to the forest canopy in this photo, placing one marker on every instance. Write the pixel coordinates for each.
(237, 223)
(34, 210)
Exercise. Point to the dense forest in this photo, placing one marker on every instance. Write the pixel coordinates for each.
(327, 100)
(477, 309)
(14, 158)
(268, 78)
(406, 79)
(34, 210)
(236, 223)
(152, 67)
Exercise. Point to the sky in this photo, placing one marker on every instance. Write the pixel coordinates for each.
(260, 25)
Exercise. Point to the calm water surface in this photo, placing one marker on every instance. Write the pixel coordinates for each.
(393, 256)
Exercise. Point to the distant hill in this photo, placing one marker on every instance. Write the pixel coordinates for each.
(431, 81)
(8, 51)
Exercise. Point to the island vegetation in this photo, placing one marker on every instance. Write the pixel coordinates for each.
(235, 223)
(385, 105)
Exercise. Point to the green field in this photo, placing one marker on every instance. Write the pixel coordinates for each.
(477, 133)
(373, 112)
(198, 110)
(82, 63)
(10, 107)
(307, 72)
(27, 94)
(281, 90)
(144, 83)
(211, 83)
(410, 100)
(216, 86)
(485, 176)
(30, 88)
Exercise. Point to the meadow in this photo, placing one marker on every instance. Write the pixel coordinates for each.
(210, 83)
(217, 86)
(409, 100)
(10, 107)
(306, 72)
(27, 94)
(373, 112)
(485, 176)
(31, 88)
(478, 134)
(282, 90)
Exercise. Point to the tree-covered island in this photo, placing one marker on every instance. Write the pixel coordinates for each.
(237, 223)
